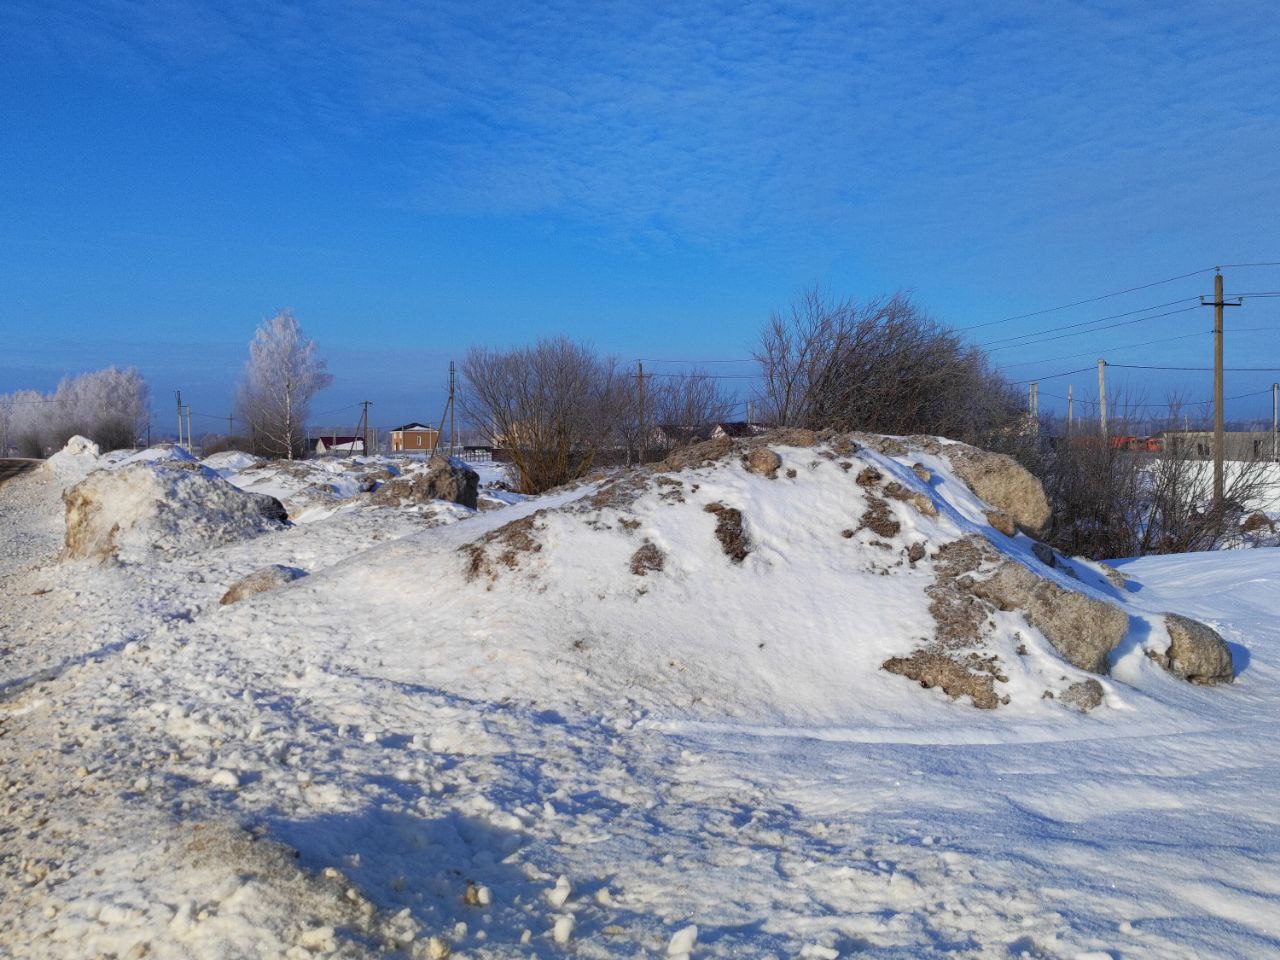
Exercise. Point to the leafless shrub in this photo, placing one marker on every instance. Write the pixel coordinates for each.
(883, 366)
(553, 405)
(1110, 500)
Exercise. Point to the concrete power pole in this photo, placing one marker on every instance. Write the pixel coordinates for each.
(1033, 403)
(364, 421)
(640, 400)
(1275, 416)
(189, 445)
(1070, 403)
(453, 382)
(177, 394)
(1219, 428)
(1102, 397)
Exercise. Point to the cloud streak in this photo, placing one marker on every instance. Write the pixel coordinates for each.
(710, 122)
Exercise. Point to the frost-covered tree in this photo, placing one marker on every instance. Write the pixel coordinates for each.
(280, 379)
(109, 406)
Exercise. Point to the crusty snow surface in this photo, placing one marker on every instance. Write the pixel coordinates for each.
(560, 758)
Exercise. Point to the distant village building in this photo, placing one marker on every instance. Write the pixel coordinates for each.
(1236, 444)
(336, 444)
(414, 438)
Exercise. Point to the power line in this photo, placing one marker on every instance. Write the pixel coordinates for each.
(1110, 326)
(1127, 346)
(652, 360)
(1140, 366)
(1081, 303)
(712, 376)
(1054, 376)
(1086, 323)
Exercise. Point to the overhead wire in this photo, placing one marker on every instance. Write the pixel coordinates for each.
(1081, 303)
(1127, 346)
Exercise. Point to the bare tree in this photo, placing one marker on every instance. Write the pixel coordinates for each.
(680, 403)
(884, 366)
(692, 400)
(552, 405)
(282, 375)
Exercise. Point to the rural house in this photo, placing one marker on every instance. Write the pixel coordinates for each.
(414, 438)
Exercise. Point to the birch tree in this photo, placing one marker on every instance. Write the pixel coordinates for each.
(280, 379)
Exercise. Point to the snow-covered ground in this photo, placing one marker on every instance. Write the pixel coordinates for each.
(463, 734)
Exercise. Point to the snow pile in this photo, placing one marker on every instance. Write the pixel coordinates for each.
(648, 716)
(228, 462)
(787, 576)
(77, 459)
(171, 506)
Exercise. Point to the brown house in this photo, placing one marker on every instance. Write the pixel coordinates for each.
(414, 438)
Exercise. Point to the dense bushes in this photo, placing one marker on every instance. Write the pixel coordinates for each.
(883, 366)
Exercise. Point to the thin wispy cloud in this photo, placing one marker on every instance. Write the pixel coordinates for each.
(715, 123)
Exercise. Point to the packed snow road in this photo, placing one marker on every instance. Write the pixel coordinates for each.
(353, 766)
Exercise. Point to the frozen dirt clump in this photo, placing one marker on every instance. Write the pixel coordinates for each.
(951, 674)
(173, 507)
(1084, 695)
(730, 531)
(443, 480)
(1195, 652)
(1002, 482)
(260, 581)
(1082, 629)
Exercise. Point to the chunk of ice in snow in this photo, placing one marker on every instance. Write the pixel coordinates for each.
(558, 894)
(563, 929)
(225, 778)
(682, 941)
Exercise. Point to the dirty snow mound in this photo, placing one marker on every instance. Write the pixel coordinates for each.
(169, 506)
(790, 575)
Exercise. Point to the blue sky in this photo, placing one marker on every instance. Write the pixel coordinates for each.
(415, 178)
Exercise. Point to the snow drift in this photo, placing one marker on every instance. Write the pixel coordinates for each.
(172, 506)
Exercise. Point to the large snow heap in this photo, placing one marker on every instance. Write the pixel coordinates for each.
(791, 574)
(167, 504)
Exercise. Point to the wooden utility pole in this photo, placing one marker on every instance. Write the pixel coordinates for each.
(1102, 397)
(177, 394)
(1219, 428)
(1070, 402)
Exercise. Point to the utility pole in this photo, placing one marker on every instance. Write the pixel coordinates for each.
(1070, 403)
(1102, 397)
(189, 445)
(1033, 400)
(178, 396)
(364, 422)
(1219, 428)
(230, 428)
(1275, 416)
(640, 397)
(453, 381)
